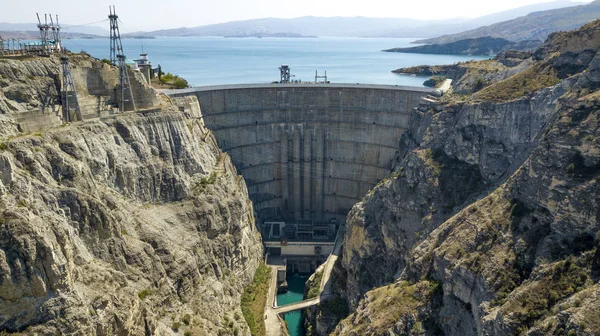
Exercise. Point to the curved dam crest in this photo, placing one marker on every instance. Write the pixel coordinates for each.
(307, 151)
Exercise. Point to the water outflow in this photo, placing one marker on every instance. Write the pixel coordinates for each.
(295, 293)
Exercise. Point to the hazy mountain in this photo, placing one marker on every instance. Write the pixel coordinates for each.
(35, 35)
(534, 26)
(351, 26)
(32, 27)
(437, 28)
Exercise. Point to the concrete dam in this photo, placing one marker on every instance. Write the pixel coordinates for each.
(308, 152)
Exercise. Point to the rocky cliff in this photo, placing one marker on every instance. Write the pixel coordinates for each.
(128, 224)
(490, 223)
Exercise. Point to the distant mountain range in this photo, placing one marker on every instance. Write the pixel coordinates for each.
(350, 26)
(534, 26)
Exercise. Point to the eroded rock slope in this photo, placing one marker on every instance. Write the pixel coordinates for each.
(135, 224)
(489, 225)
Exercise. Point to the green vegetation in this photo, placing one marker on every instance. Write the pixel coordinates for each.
(175, 326)
(314, 286)
(254, 299)
(480, 83)
(526, 82)
(430, 160)
(386, 306)
(145, 293)
(186, 319)
(106, 61)
(337, 307)
(174, 80)
(3, 146)
(204, 182)
(571, 169)
(535, 301)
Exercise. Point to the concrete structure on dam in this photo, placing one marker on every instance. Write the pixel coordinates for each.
(307, 151)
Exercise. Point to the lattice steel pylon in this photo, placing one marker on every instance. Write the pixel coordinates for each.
(56, 32)
(68, 89)
(44, 27)
(117, 57)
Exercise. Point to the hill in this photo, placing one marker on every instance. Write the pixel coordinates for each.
(350, 26)
(478, 46)
(534, 26)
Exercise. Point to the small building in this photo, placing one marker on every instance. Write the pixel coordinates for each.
(145, 67)
(304, 244)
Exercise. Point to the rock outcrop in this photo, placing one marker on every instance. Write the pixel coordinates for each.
(477, 46)
(128, 224)
(489, 225)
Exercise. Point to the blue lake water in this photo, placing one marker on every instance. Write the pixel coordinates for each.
(218, 60)
(295, 293)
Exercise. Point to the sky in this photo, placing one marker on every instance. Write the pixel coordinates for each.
(146, 15)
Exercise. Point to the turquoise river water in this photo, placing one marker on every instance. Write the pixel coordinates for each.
(218, 60)
(295, 293)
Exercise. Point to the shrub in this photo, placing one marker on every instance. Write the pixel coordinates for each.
(254, 299)
(145, 293)
(176, 81)
(175, 326)
(186, 319)
(180, 83)
(314, 286)
(479, 84)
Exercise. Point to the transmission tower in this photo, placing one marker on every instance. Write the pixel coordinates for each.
(56, 33)
(117, 57)
(68, 90)
(44, 27)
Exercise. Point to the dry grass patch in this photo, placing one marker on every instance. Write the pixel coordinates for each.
(521, 84)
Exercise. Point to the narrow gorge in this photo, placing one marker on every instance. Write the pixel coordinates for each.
(475, 212)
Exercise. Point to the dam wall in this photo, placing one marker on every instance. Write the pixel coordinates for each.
(307, 151)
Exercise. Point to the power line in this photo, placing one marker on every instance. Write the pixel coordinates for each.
(84, 24)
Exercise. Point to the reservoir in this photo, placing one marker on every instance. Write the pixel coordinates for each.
(217, 60)
(295, 293)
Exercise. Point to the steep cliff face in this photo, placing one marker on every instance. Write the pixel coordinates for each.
(462, 151)
(496, 203)
(132, 224)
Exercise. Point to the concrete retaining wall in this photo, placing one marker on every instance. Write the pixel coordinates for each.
(308, 151)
